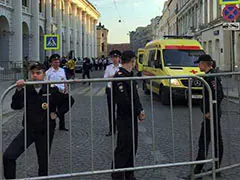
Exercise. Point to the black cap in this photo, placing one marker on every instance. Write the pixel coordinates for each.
(37, 66)
(204, 57)
(115, 53)
(54, 57)
(127, 56)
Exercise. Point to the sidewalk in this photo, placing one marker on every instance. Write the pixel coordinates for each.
(7, 101)
(231, 87)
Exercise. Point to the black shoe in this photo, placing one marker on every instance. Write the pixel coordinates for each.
(63, 129)
(108, 134)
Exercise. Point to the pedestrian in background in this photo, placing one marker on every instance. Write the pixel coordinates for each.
(86, 68)
(124, 152)
(55, 73)
(36, 122)
(110, 71)
(205, 64)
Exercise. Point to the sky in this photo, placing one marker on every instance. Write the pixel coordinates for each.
(132, 13)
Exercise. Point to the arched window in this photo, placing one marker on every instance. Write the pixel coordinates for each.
(25, 3)
(40, 6)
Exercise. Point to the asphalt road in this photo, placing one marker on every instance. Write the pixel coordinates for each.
(168, 144)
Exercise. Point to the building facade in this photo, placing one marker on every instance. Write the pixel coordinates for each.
(120, 47)
(203, 20)
(140, 37)
(102, 41)
(23, 24)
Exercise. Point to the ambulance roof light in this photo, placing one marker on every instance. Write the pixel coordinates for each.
(177, 37)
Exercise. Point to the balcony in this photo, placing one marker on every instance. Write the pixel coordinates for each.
(6, 2)
(25, 9)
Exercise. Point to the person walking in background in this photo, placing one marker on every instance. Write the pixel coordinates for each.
(55, 73)
(86, 68)
(110, 71)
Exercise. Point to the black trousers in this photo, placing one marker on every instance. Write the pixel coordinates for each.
(111, 108)
(86, 73)
(61, 113)
(16, 148)
(124, 154)
(204, 142)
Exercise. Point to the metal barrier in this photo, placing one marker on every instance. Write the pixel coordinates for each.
(230, 119)
(95, 171)
(10, 70)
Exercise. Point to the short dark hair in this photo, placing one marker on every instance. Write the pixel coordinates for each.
(54, 57)
(127, 56)
(38, 66)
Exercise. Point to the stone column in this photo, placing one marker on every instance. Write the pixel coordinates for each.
(90, 36)
(48, 21)
(59, 25)
(93, 38)
(17, 37)
(74, 26)
(35, 31)
(203, 11)
(80, 47)
(87, 33)
(67, 30)
(84, 34)
(95, 32)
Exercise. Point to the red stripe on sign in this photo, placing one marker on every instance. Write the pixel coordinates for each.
(183, 47)
(147, 73)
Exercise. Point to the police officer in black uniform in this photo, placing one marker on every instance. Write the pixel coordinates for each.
(86, 68)
(124, 154)
(36, 122)
(205, 65)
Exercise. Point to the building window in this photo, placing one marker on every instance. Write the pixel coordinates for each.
(210, 48)
(25, 3)
(40, 6)
(103, 47)
(102, 34)
(52, 4)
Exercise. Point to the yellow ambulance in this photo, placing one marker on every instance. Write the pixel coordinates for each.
(139, 65)
(172, 56)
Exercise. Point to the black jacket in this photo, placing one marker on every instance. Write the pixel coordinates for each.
(217, 93)
(36, 109)
(87, 66)
(123, 98)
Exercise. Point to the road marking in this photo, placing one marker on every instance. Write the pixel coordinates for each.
(85, 90)
(101, 92)
(93, 91)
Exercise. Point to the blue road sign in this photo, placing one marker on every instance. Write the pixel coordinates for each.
(51, 42)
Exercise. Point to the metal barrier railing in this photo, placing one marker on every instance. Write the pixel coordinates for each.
(93, 170)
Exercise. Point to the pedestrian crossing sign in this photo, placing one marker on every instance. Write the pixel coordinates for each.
(51, 42)
(228, 2)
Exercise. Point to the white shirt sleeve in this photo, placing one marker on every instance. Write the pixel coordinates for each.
(64, 75)
(47, 74)
(106, 74)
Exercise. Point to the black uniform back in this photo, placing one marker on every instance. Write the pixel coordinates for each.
(217, 92)
(122, 93)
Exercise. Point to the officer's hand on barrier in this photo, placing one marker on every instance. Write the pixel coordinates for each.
(20, 84)
(141, 116)
(207, 116)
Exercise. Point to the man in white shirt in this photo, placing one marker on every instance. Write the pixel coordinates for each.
(55, 73)
(110, 71)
